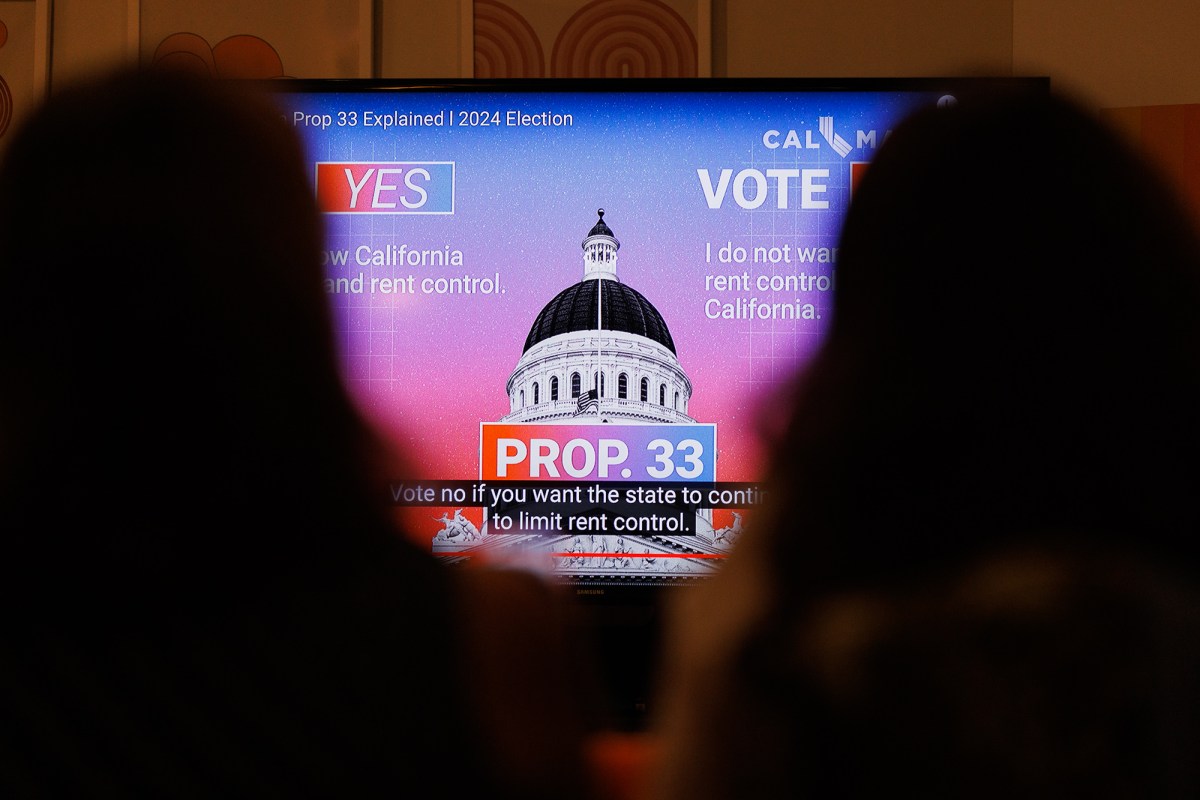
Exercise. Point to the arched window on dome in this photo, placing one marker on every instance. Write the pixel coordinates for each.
(574, 385)
(662, 394)
(537, 392)
(622, 386)
(553, 388)
(676, 406)
(645, 393)
(522, 405)
(598, 382)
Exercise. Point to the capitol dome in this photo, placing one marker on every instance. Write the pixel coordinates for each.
(599, 334)
(600, 352)
(622, 308)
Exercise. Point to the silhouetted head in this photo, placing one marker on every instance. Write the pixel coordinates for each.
(1028, 674)
(1015, 349)
(172, 400)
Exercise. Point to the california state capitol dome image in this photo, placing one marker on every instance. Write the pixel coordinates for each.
(639, 378)
(602, 335)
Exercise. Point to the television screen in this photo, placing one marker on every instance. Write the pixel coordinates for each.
(568, 302)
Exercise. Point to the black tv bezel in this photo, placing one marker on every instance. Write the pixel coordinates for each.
(623, 622)
(949, 84)
(642, 85)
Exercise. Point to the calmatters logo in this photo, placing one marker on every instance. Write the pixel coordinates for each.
(391, 187)
(776, 140)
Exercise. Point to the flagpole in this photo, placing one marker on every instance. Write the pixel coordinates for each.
(599, 333)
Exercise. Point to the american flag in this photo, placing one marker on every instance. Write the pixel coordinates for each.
(588, 401)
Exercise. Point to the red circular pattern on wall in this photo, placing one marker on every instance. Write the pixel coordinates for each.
(247, 56)
(6, 106)
(625, 38)
(188, 52)
(506, 45)
(241, 56)
(6, 101)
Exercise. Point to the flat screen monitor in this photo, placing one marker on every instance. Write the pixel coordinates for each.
(569, 302)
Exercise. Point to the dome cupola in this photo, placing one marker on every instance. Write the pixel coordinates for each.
(600, 300)
(600, 251)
